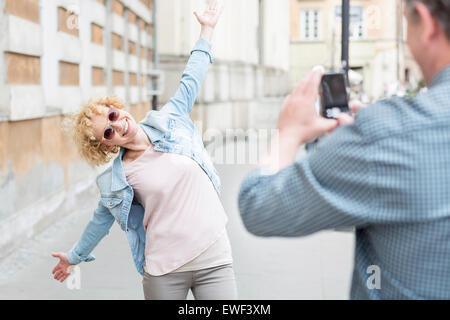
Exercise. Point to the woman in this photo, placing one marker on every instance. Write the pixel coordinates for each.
(162, 189)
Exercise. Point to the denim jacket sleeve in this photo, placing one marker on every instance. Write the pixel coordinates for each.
(96, 229)
(192, 79)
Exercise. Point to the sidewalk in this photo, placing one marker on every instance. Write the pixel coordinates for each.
(314, 267)
(111, 276)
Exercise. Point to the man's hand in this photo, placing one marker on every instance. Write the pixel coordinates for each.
(298, 119)
(345, 119)
(63, 268)
(209, 18)
(298, 123)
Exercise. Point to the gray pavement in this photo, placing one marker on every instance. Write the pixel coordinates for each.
(313, 267)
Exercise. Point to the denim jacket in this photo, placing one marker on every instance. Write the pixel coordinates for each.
(170, 130)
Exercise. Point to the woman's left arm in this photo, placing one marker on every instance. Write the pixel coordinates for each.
(198, 64)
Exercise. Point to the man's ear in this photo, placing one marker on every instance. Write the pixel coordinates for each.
(430, 27)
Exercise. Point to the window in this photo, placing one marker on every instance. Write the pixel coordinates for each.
(310, 23)
(356, 21)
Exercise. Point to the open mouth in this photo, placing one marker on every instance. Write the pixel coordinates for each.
(126, 128)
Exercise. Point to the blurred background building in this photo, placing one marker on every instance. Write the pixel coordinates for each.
(56, 54)
(380, 62)
(250, 74)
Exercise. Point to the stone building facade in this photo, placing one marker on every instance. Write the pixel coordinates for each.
(55, 55)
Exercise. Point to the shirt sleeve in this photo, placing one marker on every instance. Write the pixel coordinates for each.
(332, 187)
(96, 229)
(192, 79)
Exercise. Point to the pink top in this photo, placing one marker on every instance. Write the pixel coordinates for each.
(183, 213)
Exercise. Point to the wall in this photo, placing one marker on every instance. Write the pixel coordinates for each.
(250, 74)
(55, 55)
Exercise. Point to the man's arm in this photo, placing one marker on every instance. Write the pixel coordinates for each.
(287, 198)
(332, 187)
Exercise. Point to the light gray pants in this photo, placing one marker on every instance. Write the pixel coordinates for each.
(217, 283)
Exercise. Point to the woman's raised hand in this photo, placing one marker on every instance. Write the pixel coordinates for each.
(211, 15)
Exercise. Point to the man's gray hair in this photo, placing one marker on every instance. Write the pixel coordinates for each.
(439, 9)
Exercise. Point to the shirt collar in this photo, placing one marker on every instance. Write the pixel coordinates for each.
(119, 181)
(441, 76)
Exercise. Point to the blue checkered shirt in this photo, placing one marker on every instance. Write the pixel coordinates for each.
(387, 175)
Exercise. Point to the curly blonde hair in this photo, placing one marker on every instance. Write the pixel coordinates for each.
(79, 126)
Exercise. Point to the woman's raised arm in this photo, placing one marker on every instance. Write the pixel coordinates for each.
(198, 64)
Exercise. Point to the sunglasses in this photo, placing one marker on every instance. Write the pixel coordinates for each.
(113, 115)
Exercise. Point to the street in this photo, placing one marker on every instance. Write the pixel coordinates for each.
(313, 267)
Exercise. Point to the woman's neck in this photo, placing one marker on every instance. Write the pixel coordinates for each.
(140, 142)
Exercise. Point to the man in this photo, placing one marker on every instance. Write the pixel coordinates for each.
(387, 174)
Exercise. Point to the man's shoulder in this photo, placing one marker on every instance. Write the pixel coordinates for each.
(401, 115)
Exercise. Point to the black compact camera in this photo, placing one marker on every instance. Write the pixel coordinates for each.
(333, 95)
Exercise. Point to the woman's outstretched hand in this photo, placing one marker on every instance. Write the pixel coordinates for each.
(211, 15)
(63, 268)
(209, 18)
